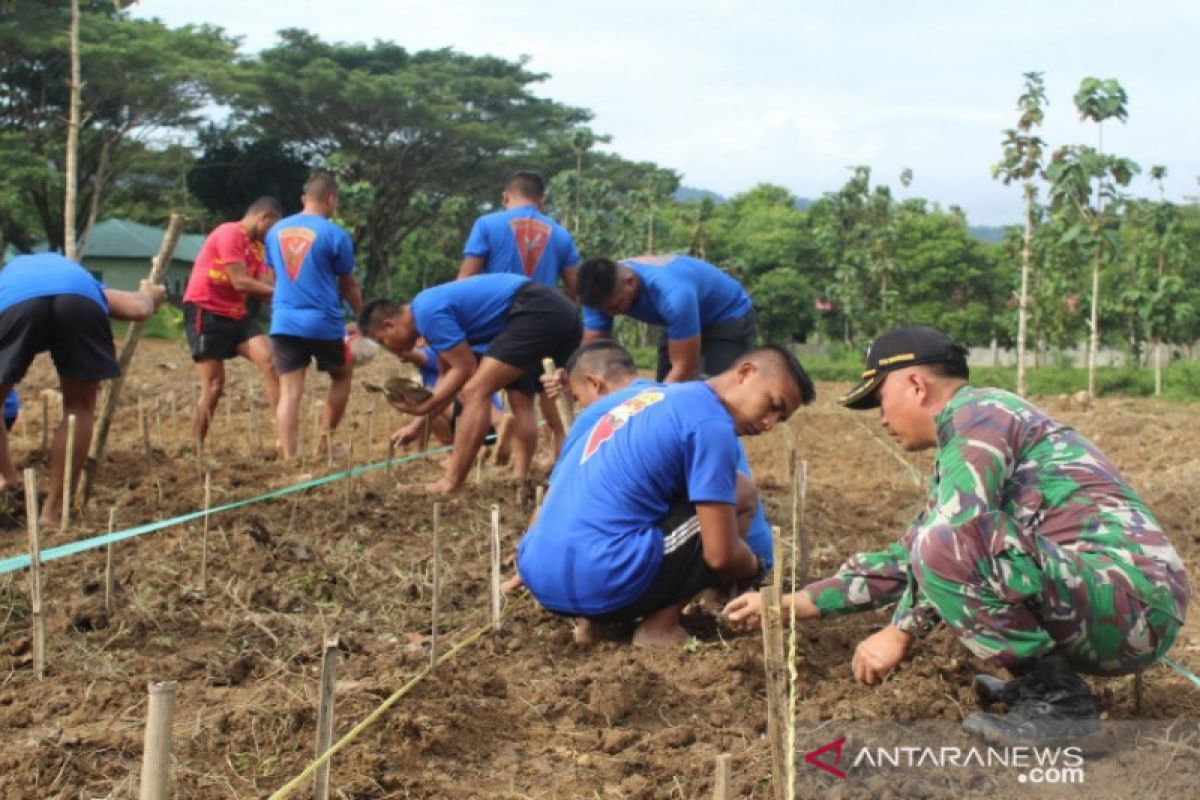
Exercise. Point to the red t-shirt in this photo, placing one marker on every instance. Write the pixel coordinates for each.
(209, 286)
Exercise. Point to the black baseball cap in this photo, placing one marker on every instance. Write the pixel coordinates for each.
(897, 349)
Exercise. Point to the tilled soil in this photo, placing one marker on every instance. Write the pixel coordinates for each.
(523, 712)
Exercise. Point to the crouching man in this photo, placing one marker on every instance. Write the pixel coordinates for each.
(1032, 548)
(647, 509)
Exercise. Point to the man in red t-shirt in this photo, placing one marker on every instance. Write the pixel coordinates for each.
(229, 269)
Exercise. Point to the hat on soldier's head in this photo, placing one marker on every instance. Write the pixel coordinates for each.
(897, 349)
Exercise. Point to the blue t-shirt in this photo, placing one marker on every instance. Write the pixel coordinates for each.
(758, 535)
(308, 253)
(682, 293)
(12, 406)
(596, 546)
(473, 311)
(44, 275)
(522, 241)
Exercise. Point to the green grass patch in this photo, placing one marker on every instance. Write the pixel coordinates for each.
(166, 324)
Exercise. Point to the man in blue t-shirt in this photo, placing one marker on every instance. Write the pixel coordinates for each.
(524, 241)
(600, 375)
(313, 260)
(648, 509)
(49, 303)
(706, 316)
(513, 322)
(521, 239)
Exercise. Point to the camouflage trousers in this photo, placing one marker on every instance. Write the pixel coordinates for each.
(1011, 596)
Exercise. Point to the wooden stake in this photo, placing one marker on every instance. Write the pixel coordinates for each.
(391, 453)
(723, 774)
(35, 575)
(539, 494)
(109, 585)
(204, 537)
(68, 468)
(437, 584)
(773, 661)
(480, 457)
(328, 449)
(112, 392)
(799, 532)
(144, 424)
(45, 423)
(1139, 689)
(156, 754)
(496, 568)
(349, 478)
(562, 403)
(158, 426)
(423, 445)
(325, 716)
(172, 408)
(371, 428)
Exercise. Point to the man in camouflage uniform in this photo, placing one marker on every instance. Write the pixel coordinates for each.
(1032, 548)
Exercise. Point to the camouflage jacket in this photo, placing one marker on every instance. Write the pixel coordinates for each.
(997, 452)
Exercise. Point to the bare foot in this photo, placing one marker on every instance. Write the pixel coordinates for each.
(512, 583)
(50, 521)
(444, 486)
(585, 632)
(652, 635)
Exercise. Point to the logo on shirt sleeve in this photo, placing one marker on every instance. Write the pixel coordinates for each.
(614, 420)
(532, 237)
(295, 243)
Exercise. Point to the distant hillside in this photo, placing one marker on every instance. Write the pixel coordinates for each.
(688, 194)
(993, 234)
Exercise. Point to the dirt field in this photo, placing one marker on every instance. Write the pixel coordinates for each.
(521, 714)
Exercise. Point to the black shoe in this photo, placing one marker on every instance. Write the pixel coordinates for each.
(991, 689)
(1052, 704)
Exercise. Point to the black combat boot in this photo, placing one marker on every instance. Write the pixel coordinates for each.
(990, 689)
(1048, 704)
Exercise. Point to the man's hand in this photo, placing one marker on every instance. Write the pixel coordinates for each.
(407, 434)
(155, 291)
(880, 653)
(553, 383)
(744, 612)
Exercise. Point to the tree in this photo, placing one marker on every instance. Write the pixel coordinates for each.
(139, 79)
(1097, 100)
(783, 306)
(234, 170)
(417, 128)
(1023, 162)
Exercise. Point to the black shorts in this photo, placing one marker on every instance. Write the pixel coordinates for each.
(73, 328)
(683, 573)
(541, 323)
(720, 345)
(214, 337)
(295, 352)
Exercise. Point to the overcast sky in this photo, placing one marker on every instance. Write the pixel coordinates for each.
(733, 93)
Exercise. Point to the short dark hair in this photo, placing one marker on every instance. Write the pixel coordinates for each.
(265, 205)
(526, 183)
(603, 356)
(374, 312)
(596, 281)
(320, 186)
(808, 392)
(950, 369)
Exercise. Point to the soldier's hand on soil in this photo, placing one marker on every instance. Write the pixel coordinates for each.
(744, 612)
(879, 654)
(406, 435)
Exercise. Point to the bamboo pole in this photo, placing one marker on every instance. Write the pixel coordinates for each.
(562, 403)
(773, 661)
(539, 495)
(35, 575)
(349, 479)
(721, 790)
(204, 537)
(325, 716)
(496, 595)
(391, 453)
(173, 409)
(371, 428)
(162, 442)
(112, 392)
(68, 469)
(109, 584)
(437, 585)
(156, 754)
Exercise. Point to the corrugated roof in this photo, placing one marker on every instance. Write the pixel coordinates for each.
(122, 238)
